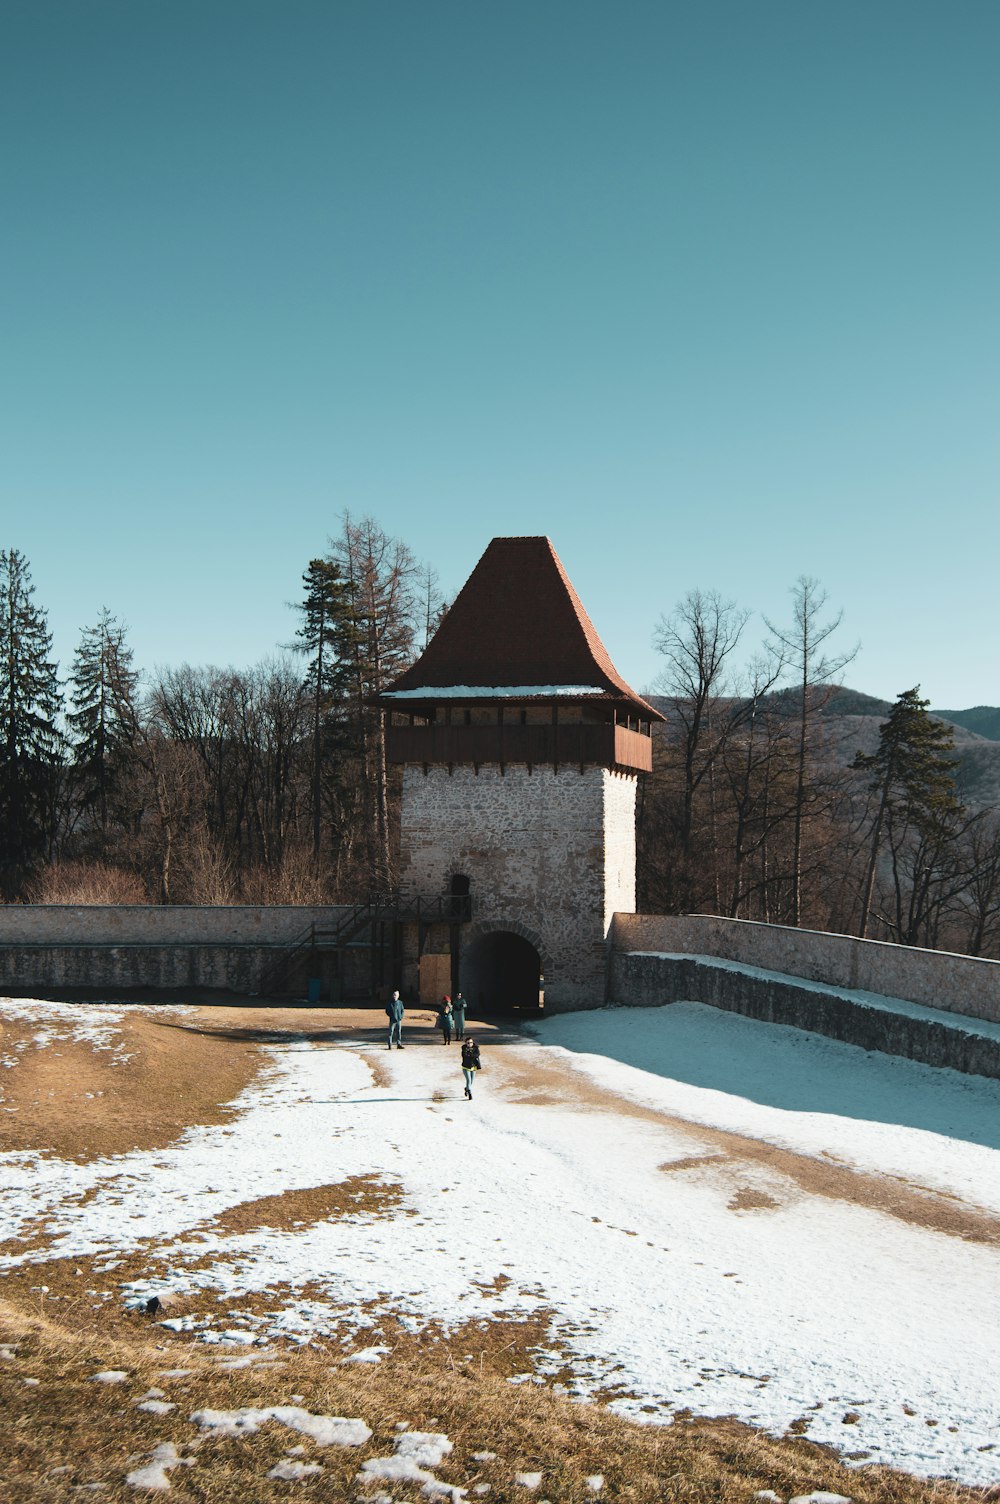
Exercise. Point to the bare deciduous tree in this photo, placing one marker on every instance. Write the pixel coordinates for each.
(801, 647)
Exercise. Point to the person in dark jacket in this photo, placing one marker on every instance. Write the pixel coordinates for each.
(471, 1063)
(395, 1010)
(444, 1018)
(458, 1008)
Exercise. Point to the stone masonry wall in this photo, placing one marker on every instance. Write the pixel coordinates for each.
(936, 979)
(155, 924)
(533, 846)
(619, 845)
(134, 948)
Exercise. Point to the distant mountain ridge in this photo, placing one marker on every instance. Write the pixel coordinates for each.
(854, 719)
(981, 720)
(984, 720)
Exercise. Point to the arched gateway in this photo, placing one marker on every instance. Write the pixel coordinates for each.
(521, 747)
(501, 968)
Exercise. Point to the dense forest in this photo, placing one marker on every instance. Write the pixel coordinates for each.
(270, 784)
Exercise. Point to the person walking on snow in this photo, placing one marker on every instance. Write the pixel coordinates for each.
(471, 1063)
(444, 1018)
(395, 1010)
(458, 1013)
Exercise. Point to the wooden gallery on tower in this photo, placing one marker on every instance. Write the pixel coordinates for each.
(521, 747)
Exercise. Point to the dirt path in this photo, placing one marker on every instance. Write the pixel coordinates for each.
(174, 1069)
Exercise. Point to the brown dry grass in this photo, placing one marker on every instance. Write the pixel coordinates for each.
(456, 1384)
(367, 1194)
(64, 1432)
(77, 1102)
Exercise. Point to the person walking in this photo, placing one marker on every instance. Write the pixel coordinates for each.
(395, 1010)
(471, 1063)
(444, 1018)
(458, 1008)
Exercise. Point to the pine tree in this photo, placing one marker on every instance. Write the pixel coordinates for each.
(381, 572)
(327, 636)
(30, 742)
(104, 720)
(913, 776)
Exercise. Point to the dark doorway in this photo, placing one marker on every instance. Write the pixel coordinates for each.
(501, 972)
(460, 904)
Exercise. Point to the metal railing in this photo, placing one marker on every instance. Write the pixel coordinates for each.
(375, 912)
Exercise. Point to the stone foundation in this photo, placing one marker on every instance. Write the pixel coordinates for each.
(549, 854)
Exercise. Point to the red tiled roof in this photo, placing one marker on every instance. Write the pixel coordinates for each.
(518, 621)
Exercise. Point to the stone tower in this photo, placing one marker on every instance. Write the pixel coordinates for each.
(521, 747)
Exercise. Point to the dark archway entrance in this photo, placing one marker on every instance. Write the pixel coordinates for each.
(501, 971)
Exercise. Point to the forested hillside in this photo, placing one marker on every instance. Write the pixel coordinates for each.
(778, 792)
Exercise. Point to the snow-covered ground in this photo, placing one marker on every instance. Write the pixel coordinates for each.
(660, 1287)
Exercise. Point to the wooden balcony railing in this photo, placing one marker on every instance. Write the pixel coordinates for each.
(608, 745)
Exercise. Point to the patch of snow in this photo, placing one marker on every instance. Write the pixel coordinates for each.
(416, 1452)
(595, 1482)
(294, 1472)
(153, 1476)
(428, 1448)
(110, 1376)
(368, 1355)
(530, 1481)
(324, 1430)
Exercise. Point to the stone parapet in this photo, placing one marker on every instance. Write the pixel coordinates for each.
(156, 924)
(936, 979)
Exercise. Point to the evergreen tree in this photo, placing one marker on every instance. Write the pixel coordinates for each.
(30, 743)
(327, 637)
(104, 719)
(913, 777)
(381, 572)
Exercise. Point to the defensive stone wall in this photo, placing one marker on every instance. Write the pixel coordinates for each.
(930, 1006)
(156, 924)
(935, 979)
(96, 949)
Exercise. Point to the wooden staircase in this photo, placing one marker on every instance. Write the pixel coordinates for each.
(373, 925)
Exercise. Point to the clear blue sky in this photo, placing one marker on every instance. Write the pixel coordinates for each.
(709, 293)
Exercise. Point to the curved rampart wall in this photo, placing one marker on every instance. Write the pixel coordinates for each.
(935, 979)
